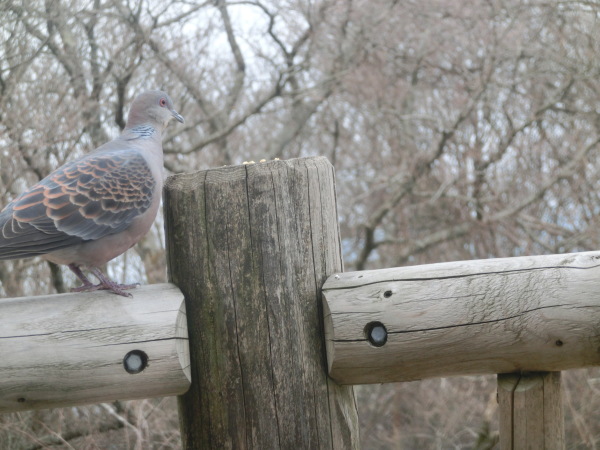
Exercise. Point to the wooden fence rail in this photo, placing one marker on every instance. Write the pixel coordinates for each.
(70, 349)
(525, 314)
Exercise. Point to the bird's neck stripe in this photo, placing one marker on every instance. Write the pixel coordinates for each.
(143, 131)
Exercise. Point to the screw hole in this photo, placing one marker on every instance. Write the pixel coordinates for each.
(135, 361)
(376, 333)
(387, 294)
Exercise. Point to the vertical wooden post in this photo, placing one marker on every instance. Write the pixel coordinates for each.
(250, 247)
(531, 412)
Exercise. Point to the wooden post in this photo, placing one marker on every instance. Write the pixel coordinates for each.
(531, 413)
(250, 247)
(71, 349)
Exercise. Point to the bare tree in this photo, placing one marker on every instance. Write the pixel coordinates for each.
(458, 130)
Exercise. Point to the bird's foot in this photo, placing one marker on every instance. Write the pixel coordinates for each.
(86, 287)
(105, 283)
(117, 288)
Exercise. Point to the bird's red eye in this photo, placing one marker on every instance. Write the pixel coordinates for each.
(162, 102)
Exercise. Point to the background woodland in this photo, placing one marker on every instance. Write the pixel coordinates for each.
(458, 130)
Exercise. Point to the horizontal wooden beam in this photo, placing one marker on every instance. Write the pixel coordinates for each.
(538, 313)
(68, 349)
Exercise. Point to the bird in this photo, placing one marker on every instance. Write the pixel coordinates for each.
(96, 207)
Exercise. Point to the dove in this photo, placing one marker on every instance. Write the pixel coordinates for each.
(96, 207)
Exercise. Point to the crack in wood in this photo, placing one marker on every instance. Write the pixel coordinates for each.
(447, 277)
(60, 332)
(25, 335)
(142, 342)
(482, 322)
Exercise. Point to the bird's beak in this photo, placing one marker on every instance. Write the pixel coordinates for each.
(177, 116)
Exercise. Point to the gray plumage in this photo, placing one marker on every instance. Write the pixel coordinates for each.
(94, 208)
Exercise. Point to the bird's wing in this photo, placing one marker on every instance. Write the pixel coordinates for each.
(87, 199)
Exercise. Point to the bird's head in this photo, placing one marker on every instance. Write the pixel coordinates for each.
(154, 108)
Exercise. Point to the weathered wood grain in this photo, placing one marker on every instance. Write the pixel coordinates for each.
(530, 410)
(69, 349)
(250, 247)
(538, 313)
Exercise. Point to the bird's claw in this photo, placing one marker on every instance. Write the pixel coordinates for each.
(116, 288)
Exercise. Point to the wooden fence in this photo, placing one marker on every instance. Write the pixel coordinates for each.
(255, 252)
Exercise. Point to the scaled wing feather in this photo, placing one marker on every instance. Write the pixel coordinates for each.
(95, 196)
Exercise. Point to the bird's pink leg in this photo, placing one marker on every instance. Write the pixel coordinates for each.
(110, 285)
(79, 274)
(105, 283)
